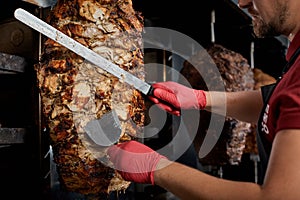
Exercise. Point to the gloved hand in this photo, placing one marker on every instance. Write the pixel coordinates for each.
(173, 97)
(134, 161)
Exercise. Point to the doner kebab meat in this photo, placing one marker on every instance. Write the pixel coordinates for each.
(74, 91)
(236, 75)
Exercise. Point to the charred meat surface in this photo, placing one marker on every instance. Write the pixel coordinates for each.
(74, 91)
(236, 74)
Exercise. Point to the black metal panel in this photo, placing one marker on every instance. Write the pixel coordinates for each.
(21, 146)
(12, 63)
(12, 136)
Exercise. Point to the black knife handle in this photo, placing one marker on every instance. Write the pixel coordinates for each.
(150, 92)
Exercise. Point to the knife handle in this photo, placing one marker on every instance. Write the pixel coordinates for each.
(162, 102)
(150, 92)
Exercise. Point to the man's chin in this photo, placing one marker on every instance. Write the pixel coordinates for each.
(262, 30)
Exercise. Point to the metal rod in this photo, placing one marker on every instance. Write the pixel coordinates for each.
(164, 66)
(220, 172)
(255, 158)
(212, 26)
(252, 55)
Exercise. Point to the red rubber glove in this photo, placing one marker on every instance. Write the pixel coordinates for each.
(173, 97)
(134, 161)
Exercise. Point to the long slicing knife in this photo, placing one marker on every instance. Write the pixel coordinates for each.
(42, 3)
(56, 35)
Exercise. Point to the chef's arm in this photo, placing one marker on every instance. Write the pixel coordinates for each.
(282, 178)
(190, 184)
(174, 97)
(137, 162)
(241, 105)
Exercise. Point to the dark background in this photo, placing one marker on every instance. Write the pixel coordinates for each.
(232, 28)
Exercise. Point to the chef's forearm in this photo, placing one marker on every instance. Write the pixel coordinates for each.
(242, 105)
(189, 184)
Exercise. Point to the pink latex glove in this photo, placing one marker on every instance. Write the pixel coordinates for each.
(134, 161)
(173, 97)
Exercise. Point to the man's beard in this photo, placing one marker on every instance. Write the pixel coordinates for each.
(263, 30)
(273, 27)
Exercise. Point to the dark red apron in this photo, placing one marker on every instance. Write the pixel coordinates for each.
(264, 146)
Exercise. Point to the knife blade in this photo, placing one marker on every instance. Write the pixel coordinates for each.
(61, 38)
(105, 131)
(42, 3)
